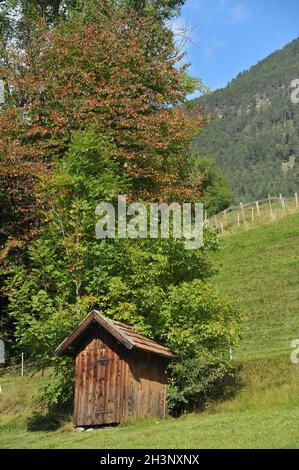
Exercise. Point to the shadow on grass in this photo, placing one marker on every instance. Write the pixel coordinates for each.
(233, 384)
(229, 388)
(45, 422)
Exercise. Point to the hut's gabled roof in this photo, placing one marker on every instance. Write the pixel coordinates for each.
(121, 332)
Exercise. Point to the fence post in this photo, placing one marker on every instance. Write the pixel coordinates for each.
(242, 211)
(22, 365)
(225, 217)
(282, 202)
(258, 209)
(270, 205)
(222, 222)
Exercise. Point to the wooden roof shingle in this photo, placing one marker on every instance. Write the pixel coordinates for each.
(123, 333)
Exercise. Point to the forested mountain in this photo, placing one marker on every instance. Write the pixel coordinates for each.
(254, 133)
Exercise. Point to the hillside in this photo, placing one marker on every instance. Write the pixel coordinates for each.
(259, 266)
(264, 414)
(254, 133)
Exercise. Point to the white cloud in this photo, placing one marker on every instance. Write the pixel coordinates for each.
(239, 13)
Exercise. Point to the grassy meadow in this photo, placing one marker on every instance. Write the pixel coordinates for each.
(260, 268)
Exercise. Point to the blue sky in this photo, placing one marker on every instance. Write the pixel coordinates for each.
(229, 36)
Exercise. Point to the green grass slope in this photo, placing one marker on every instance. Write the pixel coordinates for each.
(260, 268)
(264, 414)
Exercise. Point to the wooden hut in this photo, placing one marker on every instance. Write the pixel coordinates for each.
(120, 374)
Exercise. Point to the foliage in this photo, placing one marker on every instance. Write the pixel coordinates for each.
(113, 69)
(164, 8)
(216, 194)
(94, 110)
(125, 82)
(253, 135)
(201, 328)
(19, 18)
(157, 286)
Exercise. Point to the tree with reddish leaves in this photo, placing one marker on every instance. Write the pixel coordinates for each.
(111, 68)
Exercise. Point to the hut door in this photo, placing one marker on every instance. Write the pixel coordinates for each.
(96, 397)
(105, 397)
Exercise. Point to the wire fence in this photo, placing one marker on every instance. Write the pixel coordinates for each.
(253, 213)
(23, 367)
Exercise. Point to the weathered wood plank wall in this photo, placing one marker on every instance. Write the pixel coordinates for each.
(114, 383)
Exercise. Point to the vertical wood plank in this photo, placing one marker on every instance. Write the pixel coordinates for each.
(126, 384)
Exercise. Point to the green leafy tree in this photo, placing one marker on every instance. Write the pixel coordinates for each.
(19, 18)
(105, 65)
(94, 110)
(112, 69)
(201, 327)
(165, 9)
(157, 286)
(216, 194)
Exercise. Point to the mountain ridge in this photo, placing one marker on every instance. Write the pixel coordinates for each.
(254, 133)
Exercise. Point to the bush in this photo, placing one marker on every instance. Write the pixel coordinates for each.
(201, 328)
